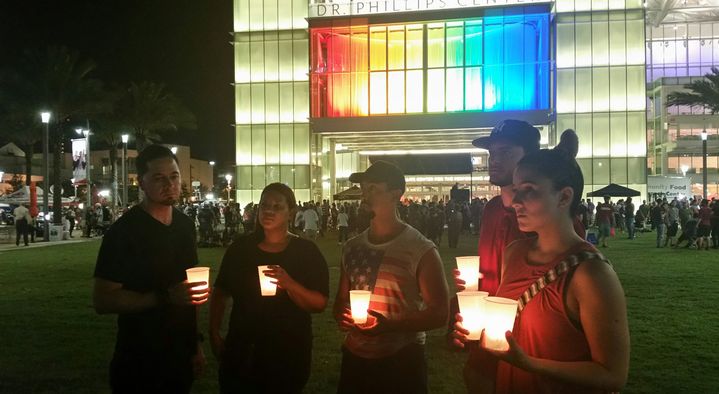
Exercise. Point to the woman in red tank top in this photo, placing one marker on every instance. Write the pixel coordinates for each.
(573, 336)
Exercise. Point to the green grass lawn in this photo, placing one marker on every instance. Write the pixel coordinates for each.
(53, 342)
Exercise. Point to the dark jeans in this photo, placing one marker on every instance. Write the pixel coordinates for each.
(404, 372)
(21, 229)
(630, 226)
(343, 233)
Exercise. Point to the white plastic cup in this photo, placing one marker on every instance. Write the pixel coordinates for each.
(500, 319)
(267, 288)
(199, 274)
(468, 267)
(472, 307)
(359, 303)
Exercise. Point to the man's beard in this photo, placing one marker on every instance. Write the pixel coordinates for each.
(365, 207)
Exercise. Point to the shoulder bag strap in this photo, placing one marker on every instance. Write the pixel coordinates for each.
(555, 273)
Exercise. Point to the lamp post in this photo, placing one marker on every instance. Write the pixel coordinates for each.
(45, 117)
(704, 163)
(228, 178)
(125, 138)
(173, 150)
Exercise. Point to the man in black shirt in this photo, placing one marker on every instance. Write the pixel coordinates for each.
(140, 276)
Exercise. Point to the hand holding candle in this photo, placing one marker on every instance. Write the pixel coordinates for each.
(195, 275)
(472, 308)
(268, 287)
(499, 319)
(468, 267)
(359, 303)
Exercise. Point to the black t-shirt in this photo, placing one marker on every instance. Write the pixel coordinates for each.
(273, 321)
(146, 256)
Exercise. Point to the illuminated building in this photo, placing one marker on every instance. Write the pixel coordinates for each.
(324, 87)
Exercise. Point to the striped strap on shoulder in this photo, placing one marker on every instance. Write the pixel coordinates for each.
(553, 274)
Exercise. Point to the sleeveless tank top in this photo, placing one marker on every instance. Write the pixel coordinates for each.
(543, 329)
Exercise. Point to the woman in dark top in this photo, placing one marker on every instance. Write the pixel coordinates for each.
(268, 346)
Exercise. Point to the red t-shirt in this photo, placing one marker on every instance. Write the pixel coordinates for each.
(499, 228)
(705, 214)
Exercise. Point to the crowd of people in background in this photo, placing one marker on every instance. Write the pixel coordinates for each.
(690, 223)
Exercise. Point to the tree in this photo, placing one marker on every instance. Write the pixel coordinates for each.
(58, 80)
(108, 130)
(704, 92)
(22, 127)
(150, 111)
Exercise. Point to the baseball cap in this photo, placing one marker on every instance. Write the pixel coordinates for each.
(381, 172)
(517, 132)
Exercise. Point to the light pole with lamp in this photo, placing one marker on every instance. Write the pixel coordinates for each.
(45, 116)
(88, 171)
(125, 139)
(228, 178)
(704, 162)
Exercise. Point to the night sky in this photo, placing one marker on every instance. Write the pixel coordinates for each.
(181, 43)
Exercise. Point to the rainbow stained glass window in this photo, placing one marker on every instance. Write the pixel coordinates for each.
(494, 63)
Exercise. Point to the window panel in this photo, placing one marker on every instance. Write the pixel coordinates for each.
(270, 14)
(256, 17)
(600, 43)
(617, 88)
(378, 48)
(284, 18)
(415, 91)
(584, 82)
(636, 90)
(257, 61)
(583, 47)
(300, 58)
(455, 89)
(242, 64)
(272, 102)
(272, 144)
(243, 154)
(635, 41)
(258, 144)
(395, 86)
(243, 104)
(241, 15)
(257, 95)
(600, 171)
(287, 143)
(600, 90)
(637, 170)
(584, 130)
(455, 44)
(359, 47)
(636, 136)
(415, 46)
(619, 171)
(473, 88)
(435, 90)
(271, 61)
(565, 45)
(360, 94)
(378, 93)
(286, 68)
(299, 13)
(565, 91)
(618, 140)
(473, 42)
(600, 134)
(395, 48)
(435, 45)
(286, 103)
(617, 43)
(302, 144)
(301, 101)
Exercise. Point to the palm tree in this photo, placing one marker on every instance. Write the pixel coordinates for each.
(149, 111)
(704, 92)
(24, 129)
(108, 131)
(58, 80)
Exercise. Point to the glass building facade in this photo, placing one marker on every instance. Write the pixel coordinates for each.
(312, 94)
(679, 53)
(495, 63)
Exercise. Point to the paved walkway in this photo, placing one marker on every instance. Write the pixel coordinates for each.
(9, 246)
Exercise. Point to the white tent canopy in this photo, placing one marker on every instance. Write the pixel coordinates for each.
(22, 196)
(11, 150)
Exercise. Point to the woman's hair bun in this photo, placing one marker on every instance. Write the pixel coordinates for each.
(568, 143)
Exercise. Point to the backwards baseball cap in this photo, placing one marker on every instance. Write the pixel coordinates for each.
(381, 172)
(517, 132)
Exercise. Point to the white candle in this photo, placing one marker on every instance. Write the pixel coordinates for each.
(468, 267)
(472, 308)
(499, 319)
(267, 288)
(198, 274)
(359, 303)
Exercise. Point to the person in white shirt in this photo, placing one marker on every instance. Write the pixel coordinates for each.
(312, 222)
(22, 221)
(342, 225)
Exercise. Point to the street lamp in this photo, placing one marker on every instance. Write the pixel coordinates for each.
(88, 170)
(45, 117)
(125, 138)
(173, 150)
(684, 169)
(704, 162)
(228, 178)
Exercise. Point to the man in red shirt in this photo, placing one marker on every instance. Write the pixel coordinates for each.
(508, 142)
